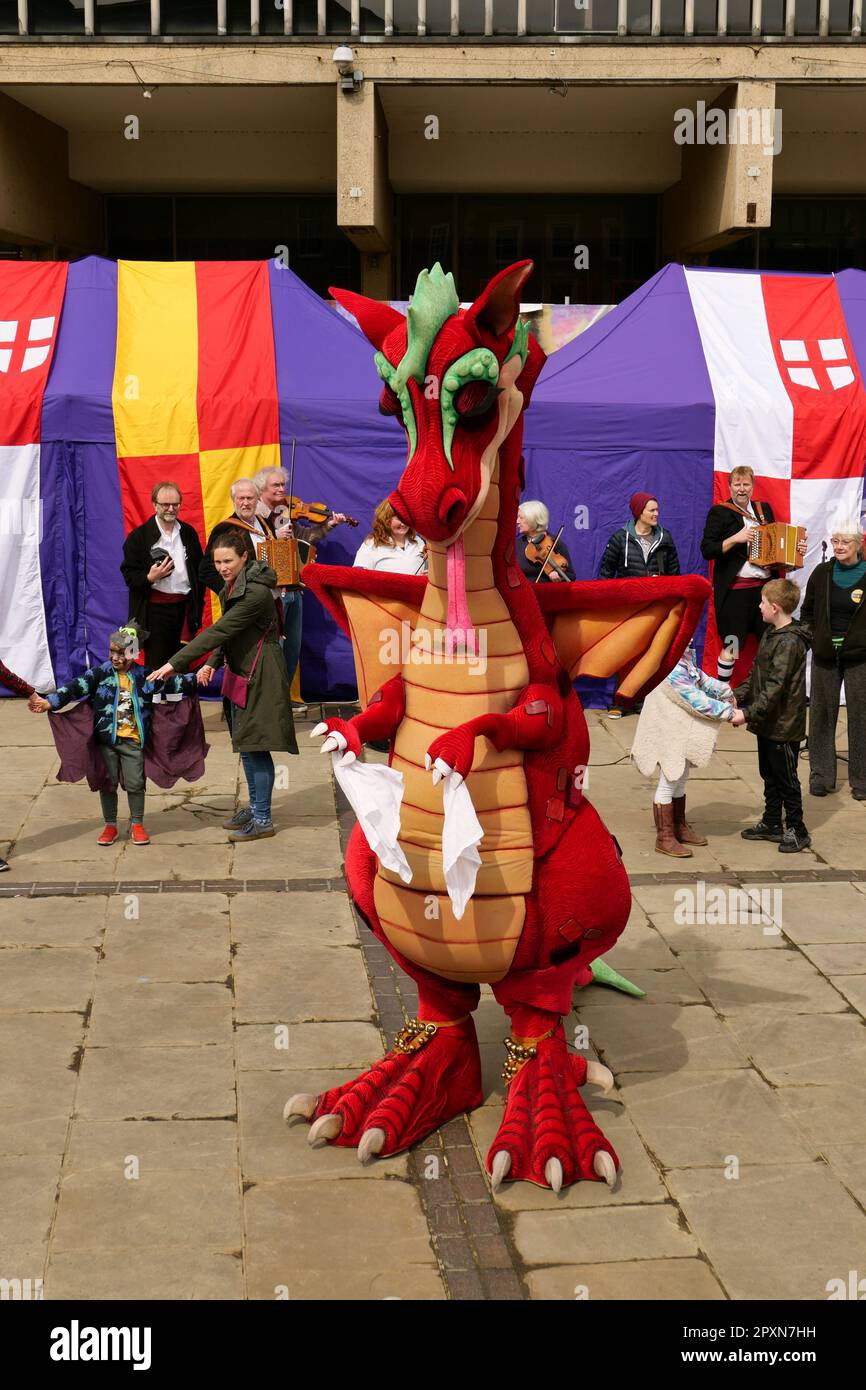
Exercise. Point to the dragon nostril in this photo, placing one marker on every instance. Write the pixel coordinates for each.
(452, 508)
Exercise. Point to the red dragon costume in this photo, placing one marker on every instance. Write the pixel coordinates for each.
(549, 892)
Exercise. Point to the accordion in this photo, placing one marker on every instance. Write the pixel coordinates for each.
(282, 556)
(776, 544)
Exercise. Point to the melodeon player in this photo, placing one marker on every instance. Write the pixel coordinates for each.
(730, 529)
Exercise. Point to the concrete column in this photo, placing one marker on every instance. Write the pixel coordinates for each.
(40, 206)
(725, 189)
(364, 196)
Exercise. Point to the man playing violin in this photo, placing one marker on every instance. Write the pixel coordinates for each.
(274, 511)
(533, 519)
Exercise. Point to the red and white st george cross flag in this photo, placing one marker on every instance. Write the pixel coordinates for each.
(789, 397)
(29, 317)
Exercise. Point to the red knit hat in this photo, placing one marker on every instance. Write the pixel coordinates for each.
(638, 501)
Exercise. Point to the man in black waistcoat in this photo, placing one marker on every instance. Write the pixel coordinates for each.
(165, 593)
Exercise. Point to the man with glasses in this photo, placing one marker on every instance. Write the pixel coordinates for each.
(161, 562)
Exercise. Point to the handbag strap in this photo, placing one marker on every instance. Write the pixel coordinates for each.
(259, 648)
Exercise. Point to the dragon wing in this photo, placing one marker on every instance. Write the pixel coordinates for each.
(371, 608)
(635, 629)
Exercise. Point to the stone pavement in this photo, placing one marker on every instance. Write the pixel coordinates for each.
(158, 1005)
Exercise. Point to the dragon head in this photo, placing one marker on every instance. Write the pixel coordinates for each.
(457, 380)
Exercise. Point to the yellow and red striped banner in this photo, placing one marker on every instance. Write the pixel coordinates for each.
(195, 387)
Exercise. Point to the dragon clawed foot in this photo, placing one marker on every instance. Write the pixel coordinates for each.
(547, 1135)
(432, 1074)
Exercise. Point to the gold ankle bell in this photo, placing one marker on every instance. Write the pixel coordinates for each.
(518, 1055)
(414, 1035)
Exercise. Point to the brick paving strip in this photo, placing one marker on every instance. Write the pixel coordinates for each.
(72, 888)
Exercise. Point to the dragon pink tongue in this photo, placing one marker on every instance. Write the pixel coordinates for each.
(459, 632)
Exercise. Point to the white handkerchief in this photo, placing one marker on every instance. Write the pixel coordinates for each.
(460, 836)
(375, 793)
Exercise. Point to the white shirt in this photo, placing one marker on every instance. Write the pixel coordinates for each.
(178, 581)
(393, 559)
(748, 570)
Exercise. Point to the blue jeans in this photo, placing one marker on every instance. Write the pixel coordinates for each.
(293, 617)
(259, 772)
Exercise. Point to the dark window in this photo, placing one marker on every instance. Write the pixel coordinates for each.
(139, 228)
(505, 17)
(589, 250)
(706, 17)
(472, 16)
(55, 17)
(773, 17)
(217, 227)
(539, 16)
(739, 16)
(639, 17)
(586, 16)
(806, 12)
(673, 16)
(188, 16)
(817, 235)
(840, 16)
(123, 16)
(372, 17)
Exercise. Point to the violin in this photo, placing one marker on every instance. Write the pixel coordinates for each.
(543, 551)
(314, 512)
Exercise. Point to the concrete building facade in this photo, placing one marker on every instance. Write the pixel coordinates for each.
(602, 137)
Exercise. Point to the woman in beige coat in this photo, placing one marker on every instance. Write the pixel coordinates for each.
(677, 730)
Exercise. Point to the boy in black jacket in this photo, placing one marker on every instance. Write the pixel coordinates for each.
(772, 704)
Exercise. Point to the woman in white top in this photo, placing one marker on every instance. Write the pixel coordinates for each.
(392, 545)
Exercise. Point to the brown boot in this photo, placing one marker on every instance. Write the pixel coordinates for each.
(682, 829)
(666, 840)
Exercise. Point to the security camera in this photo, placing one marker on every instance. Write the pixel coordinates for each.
(343, 56)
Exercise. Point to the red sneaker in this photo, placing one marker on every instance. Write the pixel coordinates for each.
(138, 835)
(108, 836)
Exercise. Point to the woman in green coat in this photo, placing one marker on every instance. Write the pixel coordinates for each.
(248, 635)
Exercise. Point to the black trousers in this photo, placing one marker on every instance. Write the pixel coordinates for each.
(165, 624)
(777, 764)
(738, 616)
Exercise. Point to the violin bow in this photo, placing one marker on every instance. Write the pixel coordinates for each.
(549, 554)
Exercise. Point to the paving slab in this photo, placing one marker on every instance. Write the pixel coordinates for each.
(52, 921)
(29, 1186)
(159, 1145)
(777, 1232)
(53, 978)
(299, 982)
(322, 919)
(665, 1038)
(310, 1047)
(632, 1280)
(119, 1083)
(698, 1119)
(299, 1232)
(738, 982)
(805, 1050)
(853, 987)
(181, 1208)
(159, 1272)
(596, 1235)
(298, 851)
(146, 1014)
(831, 1114)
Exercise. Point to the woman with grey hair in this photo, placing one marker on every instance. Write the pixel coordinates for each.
(834, 614)
(533, 519)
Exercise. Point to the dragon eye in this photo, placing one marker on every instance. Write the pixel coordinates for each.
(389, 404)
(475, 399)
